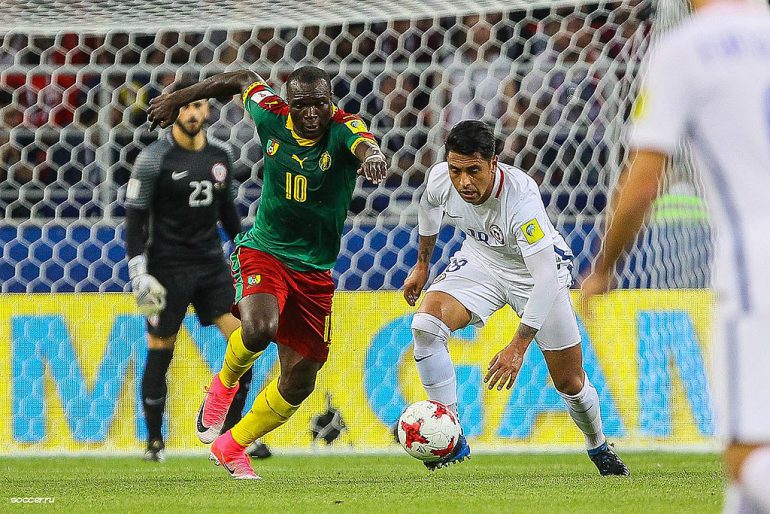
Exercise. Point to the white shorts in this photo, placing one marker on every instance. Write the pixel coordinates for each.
(483, 293)
(741, 360)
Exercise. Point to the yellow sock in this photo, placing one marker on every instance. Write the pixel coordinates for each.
(269, 412)
(238, 359)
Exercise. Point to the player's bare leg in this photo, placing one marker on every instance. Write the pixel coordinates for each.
(154, 390)
(748, 470)
(571, 382)
(245, 343)
(439, 314)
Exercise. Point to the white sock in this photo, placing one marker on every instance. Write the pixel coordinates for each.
(755, 478)
(737, 501)
(584, 410)
(437, 373)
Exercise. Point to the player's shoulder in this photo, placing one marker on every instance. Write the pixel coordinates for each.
(520, 190)
(438, 176)
(153, 154)
(261, 94)
(353, 122)
(222, 147)
(704, 26)
(516, 180)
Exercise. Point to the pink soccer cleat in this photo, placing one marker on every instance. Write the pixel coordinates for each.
(213, 411)
(226, 452)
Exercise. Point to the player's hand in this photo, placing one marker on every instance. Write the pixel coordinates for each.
(598, 282)
(150, 295)
(414, 284)
(163, 110)
(504, 367)
(374, 168)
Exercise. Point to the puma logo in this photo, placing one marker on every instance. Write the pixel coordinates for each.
(300, 161)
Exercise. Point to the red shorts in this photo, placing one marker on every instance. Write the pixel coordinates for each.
(304, 300)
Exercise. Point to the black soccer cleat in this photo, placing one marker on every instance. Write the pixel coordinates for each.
(155, 452)
(607, 461)
(258, 450)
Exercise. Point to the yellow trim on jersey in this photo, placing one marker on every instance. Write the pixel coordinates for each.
(359, 141)
(301, 141)
(532, 231)
(249, 89)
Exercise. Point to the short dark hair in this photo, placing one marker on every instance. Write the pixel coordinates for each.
(471, 136)
(309, 75)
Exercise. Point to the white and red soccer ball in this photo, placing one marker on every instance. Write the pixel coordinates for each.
(428, 430)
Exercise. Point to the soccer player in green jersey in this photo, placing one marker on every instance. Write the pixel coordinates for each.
(281, 267)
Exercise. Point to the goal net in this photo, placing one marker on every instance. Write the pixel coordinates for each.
(556, 79)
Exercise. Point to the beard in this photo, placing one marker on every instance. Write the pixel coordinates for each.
(190, 133)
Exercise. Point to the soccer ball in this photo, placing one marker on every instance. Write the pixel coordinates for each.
(428, 430)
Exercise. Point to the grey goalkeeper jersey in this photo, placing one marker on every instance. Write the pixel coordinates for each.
(184, 191)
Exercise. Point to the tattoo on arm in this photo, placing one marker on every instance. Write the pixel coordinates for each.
(425, 251)
(525, 333)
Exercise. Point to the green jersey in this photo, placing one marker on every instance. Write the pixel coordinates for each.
(308, 184)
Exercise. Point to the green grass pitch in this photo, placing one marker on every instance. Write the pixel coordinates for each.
(660, 482)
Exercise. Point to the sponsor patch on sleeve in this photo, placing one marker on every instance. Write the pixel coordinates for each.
(532, 231)
(356, 126)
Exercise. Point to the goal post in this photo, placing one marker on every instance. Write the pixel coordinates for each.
(556, 79)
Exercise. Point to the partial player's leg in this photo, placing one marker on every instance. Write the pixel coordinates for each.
(272, 408)
(259, 317)
(227, 324)
(748, 469)
(154, 389)
(260, 292)
(303, 336)
(559, 339)
(438, 316)
(740, 362)
(462, 294)
(161, 337)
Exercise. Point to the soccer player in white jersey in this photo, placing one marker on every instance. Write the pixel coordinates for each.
(710, 80)
(513, 256)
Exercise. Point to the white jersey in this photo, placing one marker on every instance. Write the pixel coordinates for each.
(710, 80)
(509, 225)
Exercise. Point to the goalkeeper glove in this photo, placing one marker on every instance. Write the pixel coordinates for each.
(150, 294)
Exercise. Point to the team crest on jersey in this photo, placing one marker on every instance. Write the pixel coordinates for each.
(254, 280)
(272, 147)
(497, 233)
(325, 162)
(219, 172)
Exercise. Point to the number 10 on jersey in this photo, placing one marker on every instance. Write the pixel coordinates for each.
(296, 187)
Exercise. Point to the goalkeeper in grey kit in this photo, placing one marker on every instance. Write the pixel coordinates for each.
(180, 186)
